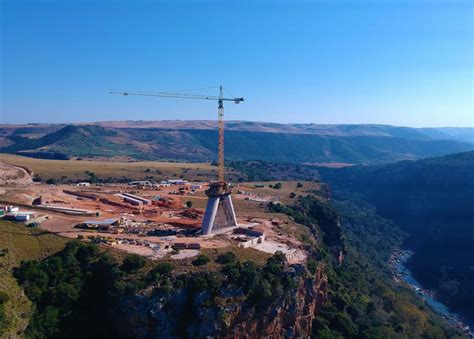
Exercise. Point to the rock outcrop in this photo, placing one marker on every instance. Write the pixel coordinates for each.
(182, 313)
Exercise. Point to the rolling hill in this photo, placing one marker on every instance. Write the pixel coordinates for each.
(195, 141)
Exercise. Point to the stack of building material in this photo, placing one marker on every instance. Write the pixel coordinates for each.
(136, 197)
(130, 200)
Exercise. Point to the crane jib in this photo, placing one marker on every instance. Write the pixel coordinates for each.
(220, 114)
(177, 95)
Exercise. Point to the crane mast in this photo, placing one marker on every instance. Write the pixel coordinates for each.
(220, 116)
(220, 126)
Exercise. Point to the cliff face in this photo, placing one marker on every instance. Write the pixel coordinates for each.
(197, 315)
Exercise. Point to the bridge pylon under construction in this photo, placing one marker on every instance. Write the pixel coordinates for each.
(220, 212)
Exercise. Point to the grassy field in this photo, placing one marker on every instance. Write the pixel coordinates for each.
(75, 169)
(22, 243)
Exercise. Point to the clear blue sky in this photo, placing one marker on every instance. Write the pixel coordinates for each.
(393, 62)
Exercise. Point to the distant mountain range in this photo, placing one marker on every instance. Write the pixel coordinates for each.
(196, 141)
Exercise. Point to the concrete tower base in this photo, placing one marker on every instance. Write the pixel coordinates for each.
(220, 212)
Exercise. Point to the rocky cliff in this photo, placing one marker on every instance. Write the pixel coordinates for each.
(183, 313)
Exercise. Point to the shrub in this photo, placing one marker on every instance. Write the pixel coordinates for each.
(51, 181)
(312, 266)
(160, 273)
(226, 258)
(132, 263)
(202, 259)
(3, 297)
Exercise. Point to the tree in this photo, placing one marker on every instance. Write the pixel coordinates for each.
(51, 181)
(343, 323)
(202, 259)
(159, 273)
(299, 185)
(312, 266)
(133, 263)
(226, 258)
(65, 293)
(164, 268)
(277, 186)
(3, 297)
(189, 204)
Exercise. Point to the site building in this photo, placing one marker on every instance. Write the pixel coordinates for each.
(12, 209)
(141, 183)
(177, 182)
(20, 216)
(101, 224)
(248, 237)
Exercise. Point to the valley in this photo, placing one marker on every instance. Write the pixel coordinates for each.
(432, 201)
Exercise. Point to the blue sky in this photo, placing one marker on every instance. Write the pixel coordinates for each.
(393, 62)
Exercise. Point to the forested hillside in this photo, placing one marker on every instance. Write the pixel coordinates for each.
(433, 201)
(84, 291)
(311, 144)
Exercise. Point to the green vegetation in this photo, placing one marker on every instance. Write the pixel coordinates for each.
(51, 181)
(4, 321)
(432, 200)
(226, 258)
(271, 171)
(363, 301)
(133, 263)
(199, 145)
(72, 292)
(17, 243)
(75, 290)
(202, 259)
(321, 218)
(277, 186)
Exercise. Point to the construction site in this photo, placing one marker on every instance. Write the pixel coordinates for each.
(173, 218)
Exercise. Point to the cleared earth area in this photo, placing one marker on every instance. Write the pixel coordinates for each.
(167, 226)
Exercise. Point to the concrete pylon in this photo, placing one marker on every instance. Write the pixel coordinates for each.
(220, 212)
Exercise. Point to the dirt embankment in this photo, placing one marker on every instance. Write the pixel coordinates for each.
(14, 175)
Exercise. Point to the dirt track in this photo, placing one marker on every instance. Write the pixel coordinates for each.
(13, 175)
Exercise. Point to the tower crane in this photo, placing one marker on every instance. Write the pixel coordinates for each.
(220, 115)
